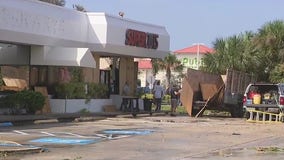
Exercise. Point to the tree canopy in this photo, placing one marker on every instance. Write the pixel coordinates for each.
(169, 63)
(260, 53)
(79, 8)
(62, 3)
(56, 2)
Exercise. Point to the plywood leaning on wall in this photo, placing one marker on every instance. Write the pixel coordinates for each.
(46, 108)
(14, 84)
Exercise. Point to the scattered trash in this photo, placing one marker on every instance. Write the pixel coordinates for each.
(236, 134)
(269, 149)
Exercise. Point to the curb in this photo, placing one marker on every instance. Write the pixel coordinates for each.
(10, 147)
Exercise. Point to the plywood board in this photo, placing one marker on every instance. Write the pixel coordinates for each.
(208, 90)
(14, 84)
(186, 96)
(9, 82)
(46, 108)
(109, 108)
(191, 87)
(196, 77)
(23, 83)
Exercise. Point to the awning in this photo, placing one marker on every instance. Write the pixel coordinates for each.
(60, 56)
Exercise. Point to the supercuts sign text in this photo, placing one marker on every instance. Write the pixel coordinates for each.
(141, 39)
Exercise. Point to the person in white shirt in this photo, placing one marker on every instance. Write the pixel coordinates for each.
(158, 95)
(126, 89)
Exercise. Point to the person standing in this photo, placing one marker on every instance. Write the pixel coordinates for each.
(158, 95)
(174, 92)
(147, 88)
(126, 89)
(115, 78)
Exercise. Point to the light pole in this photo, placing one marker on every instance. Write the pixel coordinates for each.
(197, 56)
(197, 53)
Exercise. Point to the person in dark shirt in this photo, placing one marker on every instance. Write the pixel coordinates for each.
(174, 92)
(115, 78)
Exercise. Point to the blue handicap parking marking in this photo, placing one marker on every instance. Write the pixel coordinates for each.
(108, 134)
(9, 144)
(70, 141)
(6, 124)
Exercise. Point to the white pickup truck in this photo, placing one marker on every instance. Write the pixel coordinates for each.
(270, 97)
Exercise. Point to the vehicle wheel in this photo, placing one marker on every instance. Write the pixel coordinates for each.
(236, 111)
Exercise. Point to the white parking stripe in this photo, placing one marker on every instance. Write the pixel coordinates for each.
(50, 134)
(101, 135)
(72, 134)
(20, 132)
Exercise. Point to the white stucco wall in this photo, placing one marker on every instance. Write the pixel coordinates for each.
(38, 23)
(115, 29)
(14, 54)
(35, 22)
(77, 105)
(60, 56)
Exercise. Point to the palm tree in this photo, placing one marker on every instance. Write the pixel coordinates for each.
(169, 63)
(56, 2)
(230, 53)
(277, 74)
(227, 55)
(269, 43)
(257, 53)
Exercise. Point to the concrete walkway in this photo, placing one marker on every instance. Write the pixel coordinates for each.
(18, 119)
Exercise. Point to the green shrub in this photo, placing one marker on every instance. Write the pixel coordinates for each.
(166, 99)
(77, 90)
(97, 90)
(72, 90)
(28, 100)
(147, 96)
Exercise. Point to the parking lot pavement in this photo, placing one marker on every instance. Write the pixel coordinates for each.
(151, 138)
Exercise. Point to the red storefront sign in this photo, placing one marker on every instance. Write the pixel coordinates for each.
(141, 39)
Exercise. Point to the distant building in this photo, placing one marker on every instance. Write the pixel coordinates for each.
(192, 57)
(145, 72)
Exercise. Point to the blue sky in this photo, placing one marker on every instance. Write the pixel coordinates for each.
(193, 21)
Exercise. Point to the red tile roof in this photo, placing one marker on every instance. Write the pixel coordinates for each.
(194, 49)
(145, 64)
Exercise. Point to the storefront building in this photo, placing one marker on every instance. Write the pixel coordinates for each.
(49, 39)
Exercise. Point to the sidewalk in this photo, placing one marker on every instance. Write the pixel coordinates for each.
(68, 117)
(59, 117)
